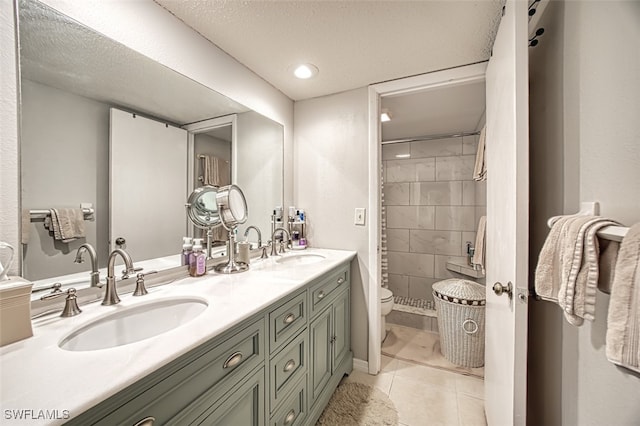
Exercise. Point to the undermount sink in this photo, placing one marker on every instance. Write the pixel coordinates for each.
(301, 259)
(133, 324)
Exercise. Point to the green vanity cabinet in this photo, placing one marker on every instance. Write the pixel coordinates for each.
(329, 344)
(278, 367)
(220, 363)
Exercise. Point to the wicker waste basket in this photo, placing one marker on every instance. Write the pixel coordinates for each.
(460, 306)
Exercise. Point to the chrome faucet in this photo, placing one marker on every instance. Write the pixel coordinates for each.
(95, 274)
(282, 245)
(249, 228)
(110, 293)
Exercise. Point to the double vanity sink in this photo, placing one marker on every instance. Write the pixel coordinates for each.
(145, 320)
(72, 364)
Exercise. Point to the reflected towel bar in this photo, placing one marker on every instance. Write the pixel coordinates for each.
(612, 233)
(43, 213)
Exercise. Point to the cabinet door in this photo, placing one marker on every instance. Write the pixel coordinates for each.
(320, 333)
(242, 405)
(341, 329)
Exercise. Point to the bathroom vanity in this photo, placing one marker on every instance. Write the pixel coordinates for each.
(270, 348)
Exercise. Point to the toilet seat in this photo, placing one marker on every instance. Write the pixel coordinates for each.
(386, 295)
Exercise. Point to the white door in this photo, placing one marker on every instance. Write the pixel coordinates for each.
(148, 186)
(507, 156)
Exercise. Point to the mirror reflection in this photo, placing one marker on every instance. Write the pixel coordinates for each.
(73, 79)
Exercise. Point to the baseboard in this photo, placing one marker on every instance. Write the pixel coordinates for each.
(361, 365)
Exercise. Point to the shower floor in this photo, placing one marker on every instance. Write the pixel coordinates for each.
(415, 313)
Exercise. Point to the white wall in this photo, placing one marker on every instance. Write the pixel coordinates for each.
(597, 76)
(159, 36)
(330, 181)
(58, 128)
(9, 150)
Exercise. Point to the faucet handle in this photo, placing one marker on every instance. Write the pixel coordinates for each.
(71, 307)
(141, 290)
(55, 289)
(127, 272)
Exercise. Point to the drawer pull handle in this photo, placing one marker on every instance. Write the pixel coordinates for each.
(233, 360)
(289, 365)
(291, 415)
(147, 421)
(340, 280)
(289, 319)
(321, 295)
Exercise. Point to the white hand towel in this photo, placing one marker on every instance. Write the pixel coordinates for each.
(568, 265)
(480, 168)
(481, 235)
(623, 323)
(66, 224)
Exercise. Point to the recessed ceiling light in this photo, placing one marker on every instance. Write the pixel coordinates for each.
(305, 71)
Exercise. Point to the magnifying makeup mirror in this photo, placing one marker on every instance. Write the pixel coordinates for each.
(202, 208)
(232, 208)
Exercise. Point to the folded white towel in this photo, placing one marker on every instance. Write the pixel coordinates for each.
(568, 265)
(623, 323)
(481, 235)
(480, 168)
(67, 225)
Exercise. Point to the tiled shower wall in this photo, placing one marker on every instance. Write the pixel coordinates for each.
(433, 206)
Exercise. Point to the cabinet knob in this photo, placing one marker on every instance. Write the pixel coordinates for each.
(289, 366)
(233, 360)
(291, 415)
(289, 319)
(147, 421)
(321, 295)
(340, 280)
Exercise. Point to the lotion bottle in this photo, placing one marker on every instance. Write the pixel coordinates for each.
(198, 260)
(187, 248)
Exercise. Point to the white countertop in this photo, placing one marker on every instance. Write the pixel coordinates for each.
(37, 375)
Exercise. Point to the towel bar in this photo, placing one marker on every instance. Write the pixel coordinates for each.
(43, 213)
(613, 233)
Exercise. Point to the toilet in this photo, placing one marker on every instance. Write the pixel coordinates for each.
(386, 299)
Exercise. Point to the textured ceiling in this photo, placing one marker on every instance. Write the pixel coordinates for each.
(353, 43)
(59, 52)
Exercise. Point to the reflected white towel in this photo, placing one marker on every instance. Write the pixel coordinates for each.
(623, 323)
(481, 236)
(215, 171)
(480, 168)
(66, 224)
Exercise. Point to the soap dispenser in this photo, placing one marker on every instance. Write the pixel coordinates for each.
(198, 260)
(187, 249)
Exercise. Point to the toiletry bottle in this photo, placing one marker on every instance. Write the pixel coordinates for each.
(187, 248)
(198, 260)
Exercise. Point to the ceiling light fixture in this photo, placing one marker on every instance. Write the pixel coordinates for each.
(305, 71)
(385, 116)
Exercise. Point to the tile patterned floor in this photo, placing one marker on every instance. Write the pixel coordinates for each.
(428, 396)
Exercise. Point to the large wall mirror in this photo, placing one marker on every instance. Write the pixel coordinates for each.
(73, 82)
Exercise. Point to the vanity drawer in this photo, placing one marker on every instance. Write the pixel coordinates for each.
(287, 367)
(323, 292)
(293, 410)
(226, 362)
(287, 320)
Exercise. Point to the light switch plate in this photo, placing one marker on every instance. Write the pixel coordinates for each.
(360, 216)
